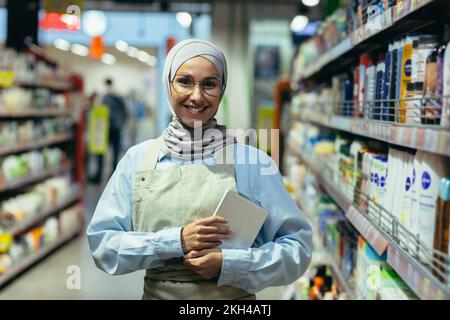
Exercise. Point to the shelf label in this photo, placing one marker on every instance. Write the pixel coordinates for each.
(5, 242)
(6, 79)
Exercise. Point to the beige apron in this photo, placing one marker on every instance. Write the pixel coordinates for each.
(173, 197)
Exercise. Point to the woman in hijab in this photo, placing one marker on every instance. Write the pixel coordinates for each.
(156, 210)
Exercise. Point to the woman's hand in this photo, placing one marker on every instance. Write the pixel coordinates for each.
(206, 263)
(204, 234)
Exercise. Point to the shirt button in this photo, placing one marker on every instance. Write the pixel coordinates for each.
(142, 178)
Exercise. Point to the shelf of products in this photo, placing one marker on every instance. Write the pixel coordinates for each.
(22, 182)
(343, 284)
(33, 219)
(37, 252)
(383, 235)
(37, 144)
(435, 140)
(33, 113)
(40, 133)
(358, 29)
(371, 112)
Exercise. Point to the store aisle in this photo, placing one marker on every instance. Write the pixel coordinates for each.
(50, 276)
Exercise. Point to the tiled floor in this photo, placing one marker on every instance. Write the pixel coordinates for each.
(49, 278)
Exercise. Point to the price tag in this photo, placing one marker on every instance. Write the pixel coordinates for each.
(6, 79)
(5, 242)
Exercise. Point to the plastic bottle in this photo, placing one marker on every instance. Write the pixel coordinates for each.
(431, 114)
(370, 87)
(387, 79)
(364, 62)
(393, 81)
(433, 169)
(381, 69)
(405, 74)
(441, 236)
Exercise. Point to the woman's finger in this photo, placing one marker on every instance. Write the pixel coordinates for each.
(215, 229)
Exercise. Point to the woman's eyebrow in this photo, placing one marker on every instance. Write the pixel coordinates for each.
(190, 75)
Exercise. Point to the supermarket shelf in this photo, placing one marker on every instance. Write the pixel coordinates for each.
(34, 113)
(420, 280)
(33, 220)
(8, 186)
(431, 139)
(347, 52)
(331, 262)
(36, 145)
(51, 84)
(36, 257)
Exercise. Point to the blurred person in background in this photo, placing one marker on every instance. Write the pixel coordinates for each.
(117, 119)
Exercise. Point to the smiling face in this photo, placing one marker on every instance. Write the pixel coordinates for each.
(196, 105)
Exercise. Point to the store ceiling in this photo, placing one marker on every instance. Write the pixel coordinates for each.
(173, 5)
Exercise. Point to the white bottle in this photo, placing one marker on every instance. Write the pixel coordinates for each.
(407, 193)
(434, 167)
(390, 178)
(415, 191)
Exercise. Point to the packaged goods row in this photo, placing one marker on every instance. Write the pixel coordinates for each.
(351, 22)
(401, 188)
(30, 163)
(27, 67)
(14, 133)
(16, 99)
(368, 274)
(15, 250)
(410, 83)
(40, 198)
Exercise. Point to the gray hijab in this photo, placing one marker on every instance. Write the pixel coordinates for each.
(179, 140)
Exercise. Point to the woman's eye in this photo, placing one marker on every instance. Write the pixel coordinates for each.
(209, 84)
(184, 82)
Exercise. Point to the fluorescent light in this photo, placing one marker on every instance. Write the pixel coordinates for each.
(122, 46)
(94, 23)
(310, 3)
(151, 60)
(299, 23)
(79, 49)
(108, 59)
(132, 52)
(184, 19)
(62, 44)
(142, 56)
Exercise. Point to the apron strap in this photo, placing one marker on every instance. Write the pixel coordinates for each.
(152, 155)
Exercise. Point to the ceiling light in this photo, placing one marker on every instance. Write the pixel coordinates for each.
(142, 56)
(184, 19)
(94, 23)
(132, 52)
(79, 49)
(151, 61)
(108, 59)
(121, 46)
(299, 23)
(62, 44)
(310, 3)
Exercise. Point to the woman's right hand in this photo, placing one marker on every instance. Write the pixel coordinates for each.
(205, 233)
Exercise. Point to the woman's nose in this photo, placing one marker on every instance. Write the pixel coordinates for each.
(196, 93)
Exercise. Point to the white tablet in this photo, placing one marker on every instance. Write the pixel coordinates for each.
(245, 219)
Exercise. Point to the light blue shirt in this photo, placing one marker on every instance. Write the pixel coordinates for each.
(280, 254)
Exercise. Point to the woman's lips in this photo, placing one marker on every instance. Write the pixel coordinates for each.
(195, 110)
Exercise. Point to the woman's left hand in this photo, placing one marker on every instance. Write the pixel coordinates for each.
(207, 263)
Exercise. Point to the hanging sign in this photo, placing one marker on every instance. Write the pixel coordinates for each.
(98, 131)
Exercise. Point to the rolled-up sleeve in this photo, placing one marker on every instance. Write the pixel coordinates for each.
(282, 250)
(115, 247)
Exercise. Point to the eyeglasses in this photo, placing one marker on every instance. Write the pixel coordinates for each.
(185, 85)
